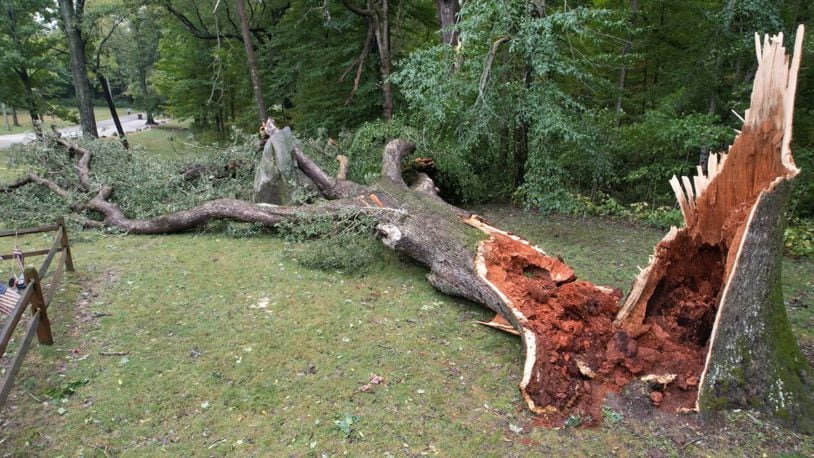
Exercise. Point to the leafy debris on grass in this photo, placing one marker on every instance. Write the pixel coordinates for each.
(374, 380)
(345, 424)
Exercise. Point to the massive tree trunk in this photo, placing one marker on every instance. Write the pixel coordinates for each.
(717, 280)
(703, 327)
(252, 61)
(72, 23)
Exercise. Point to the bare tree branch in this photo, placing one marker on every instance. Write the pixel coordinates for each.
(360, 62)
(19, 183)
(199, 32)
(356, 10)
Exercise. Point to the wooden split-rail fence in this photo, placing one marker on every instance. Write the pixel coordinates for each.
(37, 295)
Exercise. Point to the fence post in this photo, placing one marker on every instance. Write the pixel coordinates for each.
(32, 278)
(65, 245)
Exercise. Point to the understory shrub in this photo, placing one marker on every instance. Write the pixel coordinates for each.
(799, 237)
(561, 201)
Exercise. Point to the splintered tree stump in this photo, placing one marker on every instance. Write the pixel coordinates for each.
(277, 179)
(704, 325)
(717, 280)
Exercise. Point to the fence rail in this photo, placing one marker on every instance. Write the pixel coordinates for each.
(37, 296)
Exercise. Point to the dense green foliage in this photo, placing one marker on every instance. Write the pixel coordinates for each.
(145, 187)
(561, 106)
(27, 68)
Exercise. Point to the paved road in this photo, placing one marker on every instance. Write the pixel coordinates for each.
(130, 123)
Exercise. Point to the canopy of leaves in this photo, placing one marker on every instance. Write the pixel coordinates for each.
(549, 103)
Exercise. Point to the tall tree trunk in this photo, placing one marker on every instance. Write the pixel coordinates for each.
(14, 116)
(378, 12)
(5, 117)
(247, 43)
(634, 9)
(521, 153)
(30, 99)
(382, 33)
(148, 106)
(448, 18)
(22, 70)
(72, 23)
(105, 84)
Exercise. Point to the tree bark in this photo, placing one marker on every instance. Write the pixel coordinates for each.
(72, 24)
(448, 18)
(14, 119)
(257, 87)
(148, 108)
(21, 70)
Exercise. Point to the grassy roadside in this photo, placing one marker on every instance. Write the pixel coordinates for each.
(167, 140)
(24, 118)
(233, 348)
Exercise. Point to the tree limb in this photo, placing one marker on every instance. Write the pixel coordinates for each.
(55, 188)
(197, 32)
(19, 183)
(487, 66)
(360, 62)
(394, 152)
(83, 166)
(332, 188)
(102, 44)
(356, 10)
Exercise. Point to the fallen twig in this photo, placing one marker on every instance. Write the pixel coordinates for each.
(216, 443)
(697, 439)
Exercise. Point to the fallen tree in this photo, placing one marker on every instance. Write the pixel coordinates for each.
(703, 328)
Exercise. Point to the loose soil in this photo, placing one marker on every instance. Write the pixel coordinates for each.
(582, 355)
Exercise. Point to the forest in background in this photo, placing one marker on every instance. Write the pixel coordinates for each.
(571, 107)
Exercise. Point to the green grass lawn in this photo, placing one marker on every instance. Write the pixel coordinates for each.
(206, 344)
(231, 347)
(164, 141)
(101, 112)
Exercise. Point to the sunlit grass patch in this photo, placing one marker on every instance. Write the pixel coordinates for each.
(201, 344)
